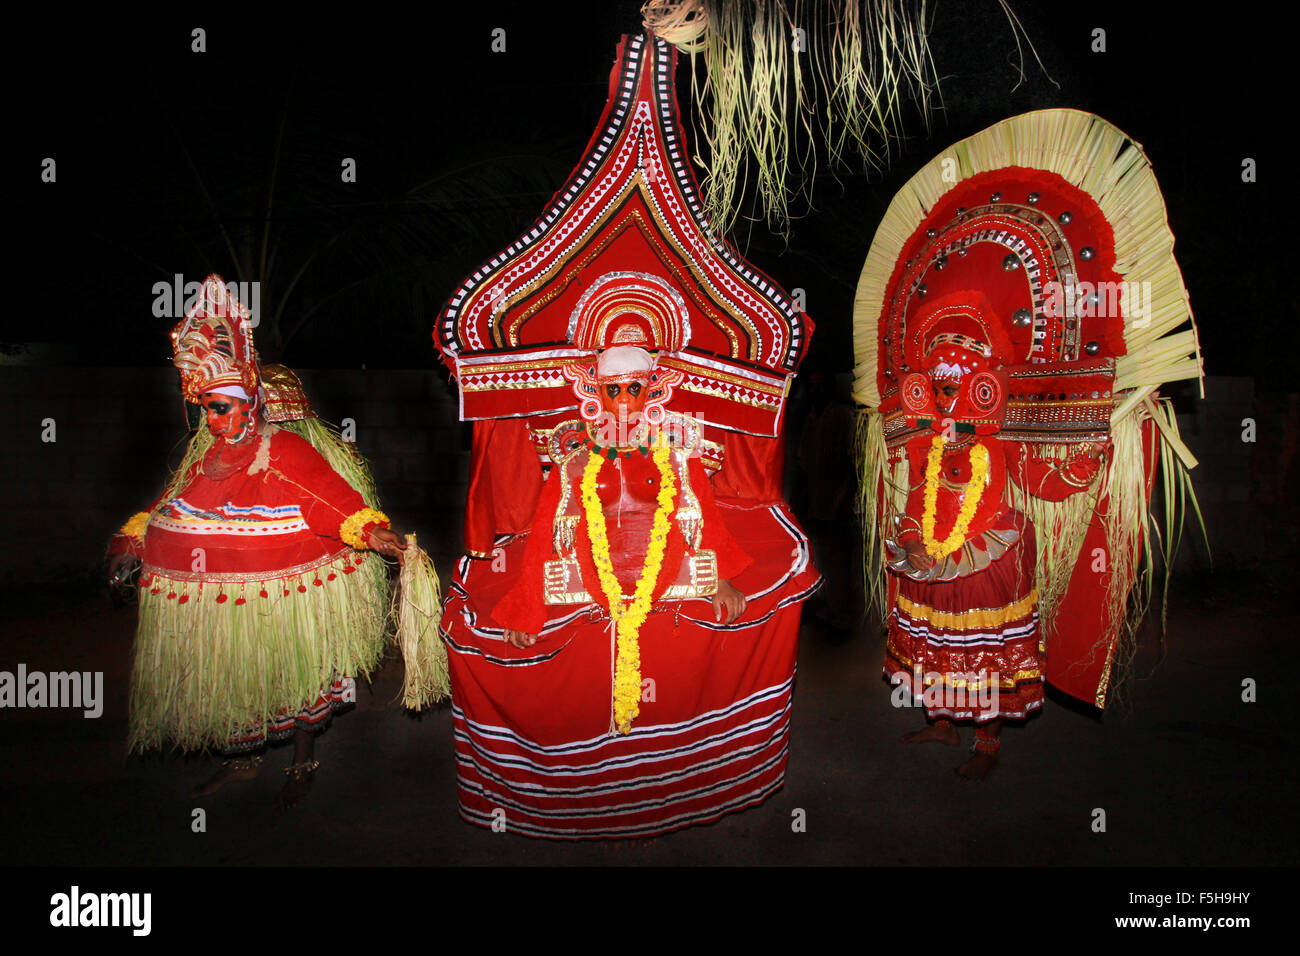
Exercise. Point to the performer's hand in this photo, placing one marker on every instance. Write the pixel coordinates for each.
(917, 556)
(730, 600)
(388, 542)
(521, 640)
(119, 566)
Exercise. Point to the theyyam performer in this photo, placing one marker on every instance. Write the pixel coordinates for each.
(262, 594)
(1018, 309)
(622, 631)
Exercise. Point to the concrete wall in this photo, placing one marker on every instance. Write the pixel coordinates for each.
(1246, 488)
(117, 431)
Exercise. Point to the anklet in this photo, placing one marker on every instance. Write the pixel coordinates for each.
(250, 762)
(301, 771)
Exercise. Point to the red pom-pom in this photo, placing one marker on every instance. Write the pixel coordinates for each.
(348, 570)
(221, 598)
(154, 590)
(318, 582)
(238, 601)
(358, 559)
(331, 576)
(286, 592)
(172, 595)
(183, 599)
(262, 593)
(302, 589)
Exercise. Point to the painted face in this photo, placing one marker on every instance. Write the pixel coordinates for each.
(229, 417)
(945, 395)
(625, 399)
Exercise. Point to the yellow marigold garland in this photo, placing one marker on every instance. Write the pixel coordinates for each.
(350, 529)
(135, 525)
(970, 499)
(629, 618)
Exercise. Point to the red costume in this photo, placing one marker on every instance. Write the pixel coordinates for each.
(255, 602)
(643, 713)
(1019, 304)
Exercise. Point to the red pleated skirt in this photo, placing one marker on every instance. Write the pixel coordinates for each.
(536, 752)
(970, 649)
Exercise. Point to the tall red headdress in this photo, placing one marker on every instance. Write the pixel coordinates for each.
(213, 344)
(623, 255)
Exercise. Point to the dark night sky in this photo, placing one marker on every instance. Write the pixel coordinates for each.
(135, 120)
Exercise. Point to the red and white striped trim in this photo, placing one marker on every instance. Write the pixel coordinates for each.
(653, 780)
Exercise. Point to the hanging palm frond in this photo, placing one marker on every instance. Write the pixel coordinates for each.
(785, 82)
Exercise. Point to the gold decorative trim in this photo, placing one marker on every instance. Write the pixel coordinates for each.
(343, 556)
(730, 396)
(556, 577)
(469, 385)
(967, 620)
(683, 363)
(1006, 683)
(689, 516)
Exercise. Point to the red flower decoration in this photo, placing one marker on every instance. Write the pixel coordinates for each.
(262, 593)
(318, 582)
(172, 595)
(221, 598)
(183, 598)
(238, 601)
(348, 570)
(302, 588)
(331, 576)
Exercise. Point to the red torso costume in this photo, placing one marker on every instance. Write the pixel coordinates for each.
(629, 505)
(268, 511)
(254, 610)
(954, 477)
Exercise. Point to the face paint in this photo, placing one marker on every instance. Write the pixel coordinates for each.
(622, 402)
(945, 397)
(228, 417)
(624, 399)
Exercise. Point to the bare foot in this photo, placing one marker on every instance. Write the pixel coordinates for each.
(941, 731)
(233, 770)
(298, 786)
(978, 767)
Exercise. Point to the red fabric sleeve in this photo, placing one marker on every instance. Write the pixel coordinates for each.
(505, 480)
(325, 498)
(715, 537)
(753, 469)
(524, 606)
